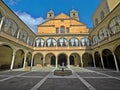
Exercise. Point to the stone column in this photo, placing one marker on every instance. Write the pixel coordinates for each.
(102, 61)
(109, 35)
(94, 61)
(56, 62)
(24, 60)
(68, 62)
(1, 23)
(28, 40)
(44, 44)
(116, 64)
(43, 61)
(18, 34)
(34, 43)
(31, 62)
(81, 62)
(12, 62)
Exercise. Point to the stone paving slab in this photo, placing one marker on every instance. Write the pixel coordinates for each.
(90, 74)
(19, 83)
(104, 84)
(115, 74)
(63, 84)
(12, 72)
(36, 74)
(3, 77)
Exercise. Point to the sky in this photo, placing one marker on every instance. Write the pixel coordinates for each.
(34, 12)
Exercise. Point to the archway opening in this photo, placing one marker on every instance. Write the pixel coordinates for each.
(5, 57)
(62, 58)
(38, 60)
(117, 54)
(108, 59)
(87, 60)
(53, 60)
(97, 59)
(72, 60)
(28, 59)
(50, 59)
(19, 59)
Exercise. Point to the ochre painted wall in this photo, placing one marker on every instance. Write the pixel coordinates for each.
(49, 27)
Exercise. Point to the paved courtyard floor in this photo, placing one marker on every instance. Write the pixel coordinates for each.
(43, 79)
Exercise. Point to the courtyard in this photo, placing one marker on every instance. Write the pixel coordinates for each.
(88, 78)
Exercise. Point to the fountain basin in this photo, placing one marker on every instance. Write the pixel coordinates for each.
(62, 72)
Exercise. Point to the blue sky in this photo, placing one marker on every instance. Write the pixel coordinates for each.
(33, 12)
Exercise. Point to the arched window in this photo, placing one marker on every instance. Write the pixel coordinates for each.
(10, 27)
(95, 39)
(73, 42)
(85, 42)
(62, 29)
(102, 15)
(39, 42)
(103, 33)
(62, 42)
(114, 25)
(31, 40)
(23, 36)
(0, 16)
(51, 42)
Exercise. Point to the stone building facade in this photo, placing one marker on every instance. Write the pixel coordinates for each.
(61, 38)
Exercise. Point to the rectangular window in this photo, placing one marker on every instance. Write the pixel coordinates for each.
(57, 30)
(67, 30)
(62, 30)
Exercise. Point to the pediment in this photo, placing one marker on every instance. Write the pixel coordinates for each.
(62, 16)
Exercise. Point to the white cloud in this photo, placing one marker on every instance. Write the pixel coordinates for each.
(12, 2)
(30, 21)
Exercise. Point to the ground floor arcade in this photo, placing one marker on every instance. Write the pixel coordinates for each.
(19, 58)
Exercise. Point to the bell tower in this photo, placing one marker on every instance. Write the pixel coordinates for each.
(74, 14)
(50, 14)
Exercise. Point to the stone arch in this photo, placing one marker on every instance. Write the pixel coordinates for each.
(85, 41)
(73, 41)
(50, 59)
(117, 54)
(51, 42)
(23, 35)
(87, 59)
(97, 59)
(114, 25)
(5, 56)
(74, 59)
(19, 59)
(108, 59)
(95, 39)
(62, 42)
(31, 40)
(10, 27)
(62, 58)
(38, 59)
(39, 42)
